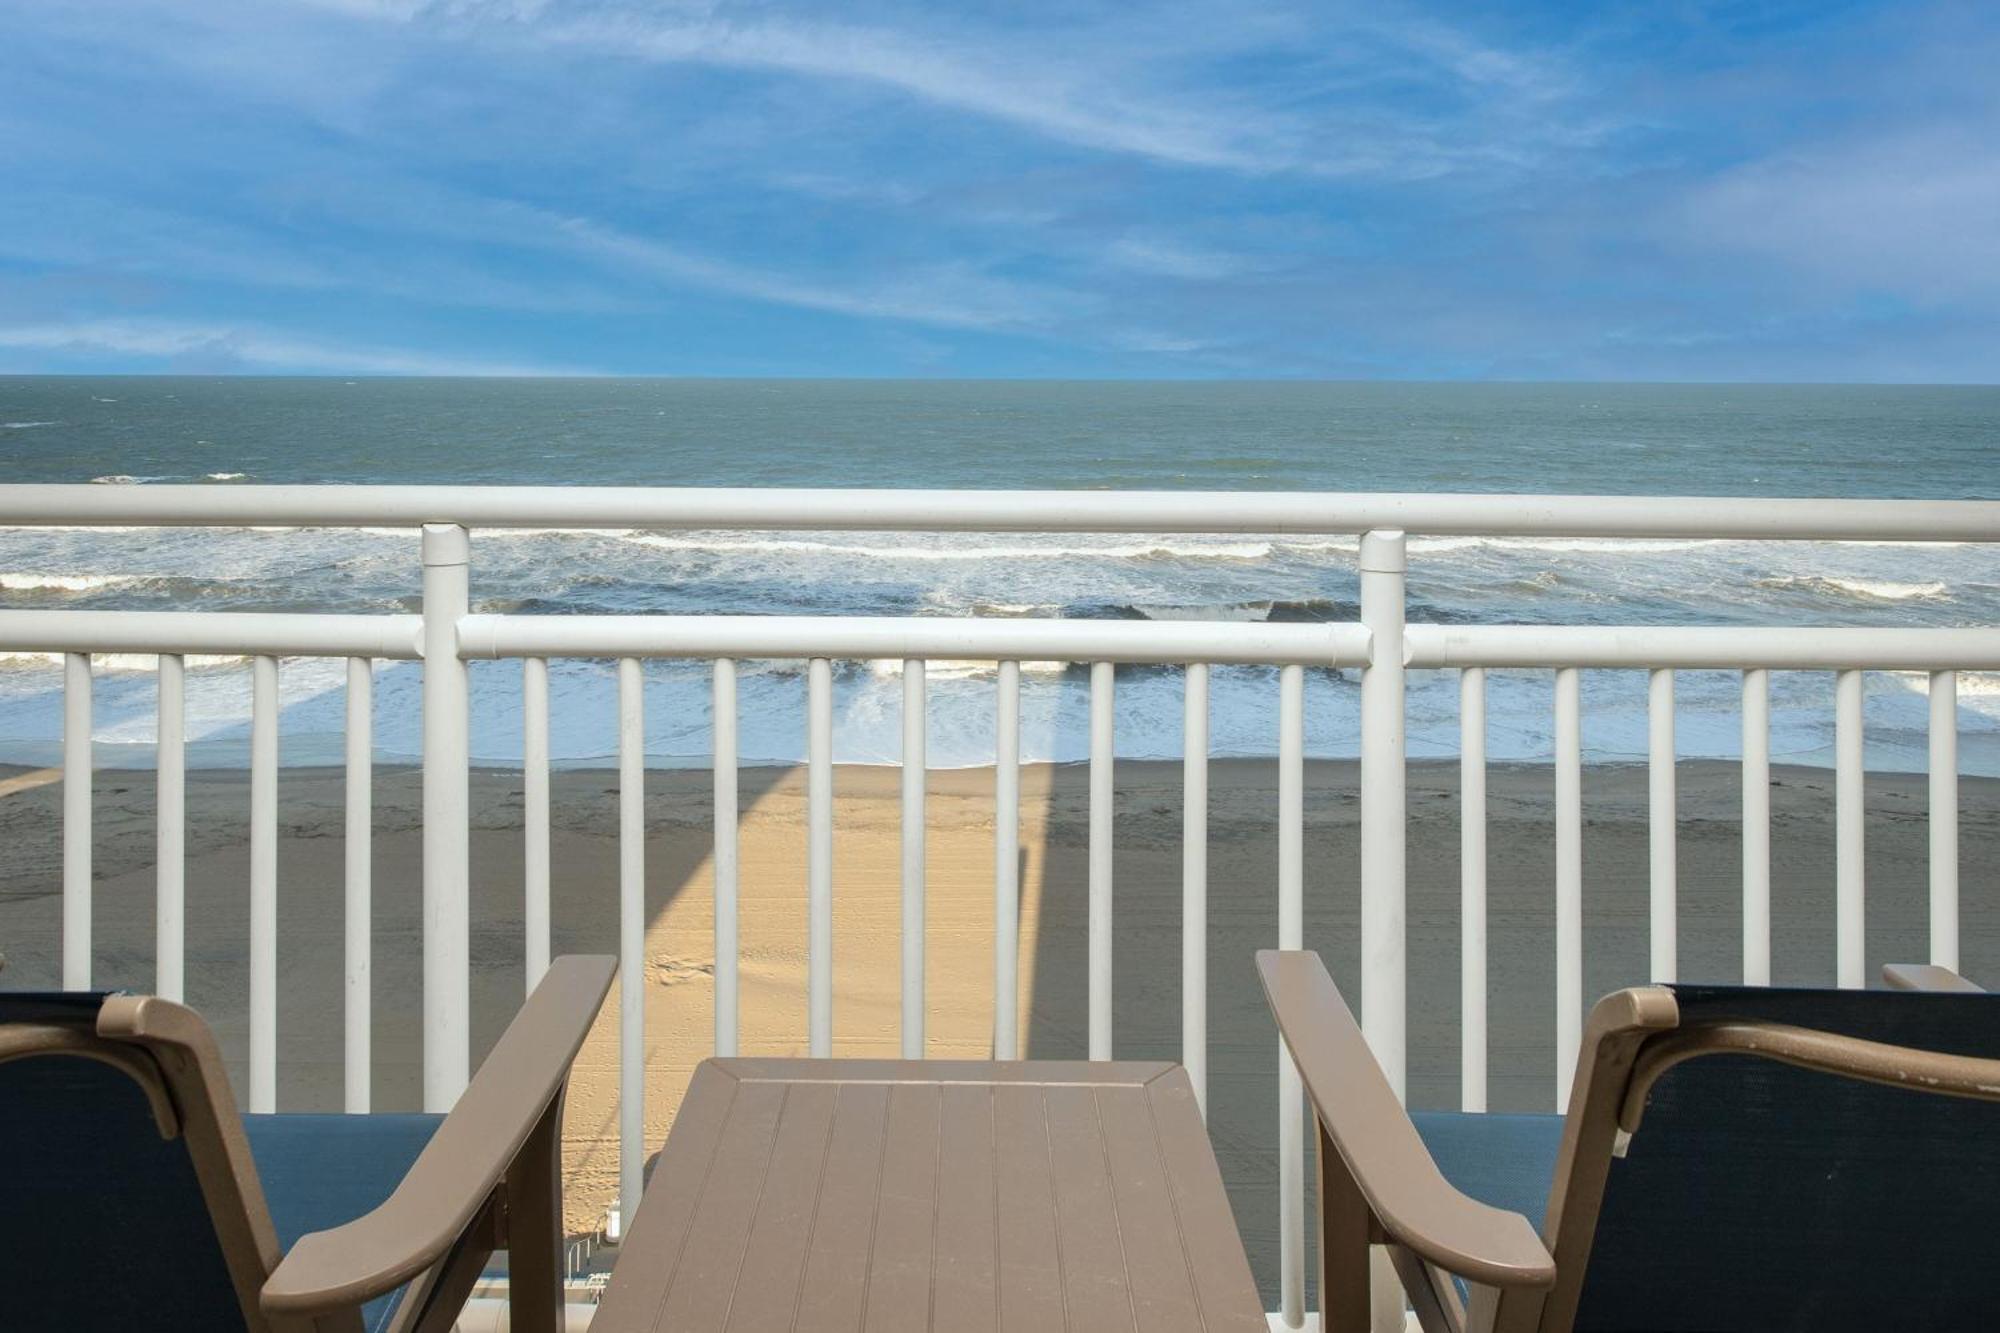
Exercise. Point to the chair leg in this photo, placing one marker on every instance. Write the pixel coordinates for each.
(534, 1229)
(1344, 1228)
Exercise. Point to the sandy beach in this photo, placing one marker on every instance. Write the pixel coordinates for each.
(1242, 861)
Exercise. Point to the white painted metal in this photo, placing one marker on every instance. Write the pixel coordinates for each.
(447, 819)
(263, 884)
(1003, 511)
(1472, 888)
(1703, 647)
(1662, 816)
(915, 721)
(728, 950)
(1383, 852)
(1849, 874)
(888, 638)
(1756, 830)
(1007, 863)
(535, 819)
(631, 937)
(170, 833)
(819, 857)
(1291, 935)
(1291, 805)
(1103, 805)
(1194, 882)
(1569, 878)
(358, 912)
(76, 840)
(1944, 819)
(212, 633)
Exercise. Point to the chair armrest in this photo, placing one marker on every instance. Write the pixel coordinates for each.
(1926, 976)
(1410, 1198)
(455, 1176)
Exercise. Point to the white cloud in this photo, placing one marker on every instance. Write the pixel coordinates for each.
(227, 346)
(1914, 214)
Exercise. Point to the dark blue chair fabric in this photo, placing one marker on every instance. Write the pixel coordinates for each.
(1760, 1198)
(322, 1170)
(102, 1222)
(1506, 1161)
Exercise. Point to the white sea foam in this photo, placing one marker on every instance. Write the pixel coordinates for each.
(61, 582)
(225, 476)
(23, 425)
(1874, 590)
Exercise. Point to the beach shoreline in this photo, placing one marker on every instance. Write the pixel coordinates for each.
(959, 908)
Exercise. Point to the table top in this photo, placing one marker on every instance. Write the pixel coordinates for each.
(906, 1195)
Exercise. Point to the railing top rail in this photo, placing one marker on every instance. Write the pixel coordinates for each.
(771, 509)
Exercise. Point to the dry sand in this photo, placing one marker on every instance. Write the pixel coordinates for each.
(1243, 913)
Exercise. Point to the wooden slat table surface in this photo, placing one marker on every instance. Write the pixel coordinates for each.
(897, 1195)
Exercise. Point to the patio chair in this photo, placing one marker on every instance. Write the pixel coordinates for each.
(1732, 1159)
(133, 1196)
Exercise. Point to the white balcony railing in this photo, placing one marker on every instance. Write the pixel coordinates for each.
(446, 636)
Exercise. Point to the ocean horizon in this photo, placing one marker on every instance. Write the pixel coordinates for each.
(1775, 440)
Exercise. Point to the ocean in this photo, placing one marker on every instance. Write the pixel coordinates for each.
(1633, 439)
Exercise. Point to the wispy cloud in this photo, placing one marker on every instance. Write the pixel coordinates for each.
(1165, 187)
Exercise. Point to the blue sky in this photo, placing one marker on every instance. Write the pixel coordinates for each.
(1526, 191)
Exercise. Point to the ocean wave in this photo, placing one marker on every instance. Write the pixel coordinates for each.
(1867, 590)
(62, 582)
(224, 476)
(24, 425)
(125, 479)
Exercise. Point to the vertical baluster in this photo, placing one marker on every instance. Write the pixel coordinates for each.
(76, 822)
(631, 938)
(264, 884)
(728, 952)
(1194, 883)
(1569, 878)
(1944, 819)
(358, 907)
(1291, 935)
(819, 857)
(535, 818)
(1103, 684)
(1472, 888)
(170, 832)
(1007, 863)
(1849, 833)
(1660, 823)
(914, 776)
(1756, 827)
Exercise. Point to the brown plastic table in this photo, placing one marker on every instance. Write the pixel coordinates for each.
(905, 1195)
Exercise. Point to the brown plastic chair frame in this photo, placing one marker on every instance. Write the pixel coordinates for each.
(1379, 1186)
(490, 1177)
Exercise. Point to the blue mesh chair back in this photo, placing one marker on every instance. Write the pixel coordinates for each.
(103, 1224)
(1762, 1197)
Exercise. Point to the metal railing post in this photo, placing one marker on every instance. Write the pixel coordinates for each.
(1383, 848)
(1383, 564)
(447, 811)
